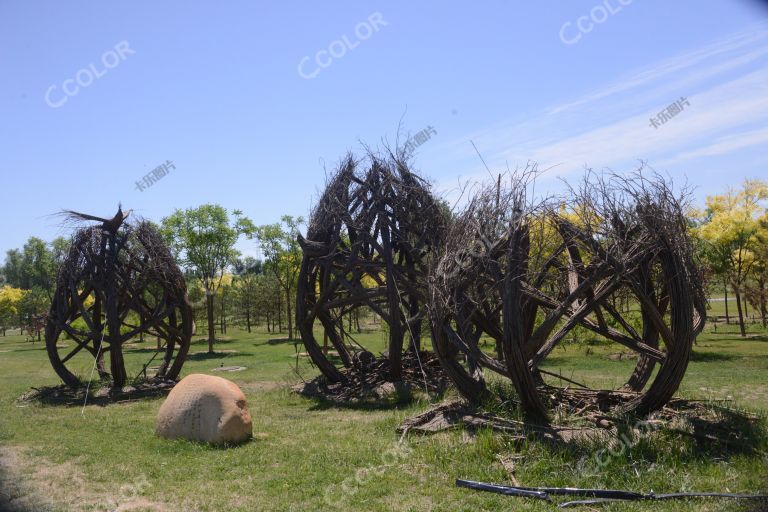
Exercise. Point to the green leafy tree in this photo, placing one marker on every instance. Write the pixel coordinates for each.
(38, 266)
(12, 268)
(203, 241)
(282, 253)
(246, 288)
(268, 301)
(33, 306)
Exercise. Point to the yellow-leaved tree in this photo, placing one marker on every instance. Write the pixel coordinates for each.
(11, 300)
(757, 287)
(729, 230)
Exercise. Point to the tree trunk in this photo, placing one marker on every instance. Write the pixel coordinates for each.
(290, 312)
(248, 320)
(743, 330)
(727, 316)
(223, 313)
(761, 288)
(745, 305)
(279, 313)
(211, 333)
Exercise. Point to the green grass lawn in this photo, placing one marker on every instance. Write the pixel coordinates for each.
(306, 454)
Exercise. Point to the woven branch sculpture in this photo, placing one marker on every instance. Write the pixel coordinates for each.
(119, 280)
(368, 245)
(613, 261)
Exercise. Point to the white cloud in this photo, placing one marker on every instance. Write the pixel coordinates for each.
(723, 146)
(736, 103)
(726, 83)
(663, 70)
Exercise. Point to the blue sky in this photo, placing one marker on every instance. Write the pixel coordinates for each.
(217, 88)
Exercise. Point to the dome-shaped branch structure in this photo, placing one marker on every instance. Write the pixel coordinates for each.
(367, 246)
(612, 262)
(118, 281)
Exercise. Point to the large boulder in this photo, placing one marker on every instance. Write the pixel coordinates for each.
(205, 408)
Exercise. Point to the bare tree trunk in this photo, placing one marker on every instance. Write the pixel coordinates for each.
(761, 288)
(727, 316)
(248, 320)
(290, 312)
(743, 330)
(745, 305)
(211, 333)
(223, 318)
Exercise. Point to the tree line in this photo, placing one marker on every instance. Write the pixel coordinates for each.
(226, 288)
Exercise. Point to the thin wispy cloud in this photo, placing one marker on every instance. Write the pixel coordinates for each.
(736, 103)
(723, 146)
(725, 84)
(724, 49)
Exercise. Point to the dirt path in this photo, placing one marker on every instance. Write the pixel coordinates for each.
(30, 484)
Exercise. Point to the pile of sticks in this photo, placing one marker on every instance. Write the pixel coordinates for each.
(368, 378)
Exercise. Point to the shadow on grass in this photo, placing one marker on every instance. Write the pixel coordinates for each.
(217, 341)
(206, 356)
(706, 357)
(36, 348)
(97, 394)
(14, 497)
(683, 431)
(396, 401)
(132, 350)
(211, 446)
(706, 434)
(385, 396)
(282, 341)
